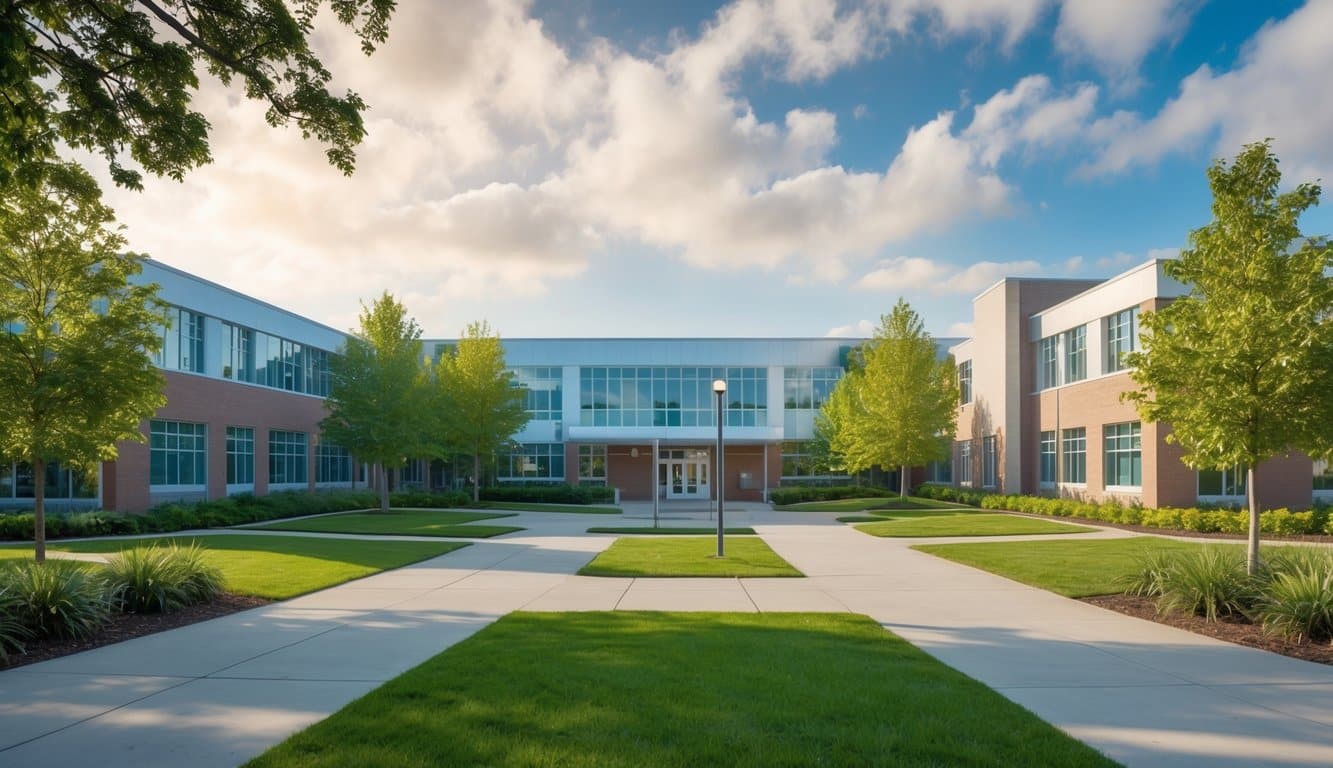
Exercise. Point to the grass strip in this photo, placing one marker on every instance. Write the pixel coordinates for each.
(967, 525)
(872, 503)
(397, 522)
(650, 531)
(651, 556)
(643, 690)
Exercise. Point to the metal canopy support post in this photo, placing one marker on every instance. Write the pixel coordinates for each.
(720, 387)
(656, 490)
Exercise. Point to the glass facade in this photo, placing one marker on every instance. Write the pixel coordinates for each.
(671, 397)
(965, 382)
(287, 458)
(1222, 482)
(17, 482)
(1122, 330)
(1046, 456)
(1048, 362)
(333, 464)
(240, 456)
(592, 464)
(541, 387)
(1074, 455)
(272, 361)
(532, 461)
(177, 454)
(1124, 455)
(182, 342)
(808, 388)
(1076, 354)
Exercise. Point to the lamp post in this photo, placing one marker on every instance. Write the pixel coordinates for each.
(720, 388)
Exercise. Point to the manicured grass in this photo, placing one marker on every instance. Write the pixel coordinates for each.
(400, 522)
(673, 531)
(872, 503)
(643, 689)
(279, 567)
(688, 556)
(573, 509)
(967, 525)
(1070, 568)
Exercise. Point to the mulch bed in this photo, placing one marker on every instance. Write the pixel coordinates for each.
(1232, 629)
(123, 626)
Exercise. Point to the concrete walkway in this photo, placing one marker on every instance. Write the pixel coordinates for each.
(220, 692)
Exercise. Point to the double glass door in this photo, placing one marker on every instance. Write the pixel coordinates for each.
(683, 474)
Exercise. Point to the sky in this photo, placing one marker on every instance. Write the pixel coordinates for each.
(763, 168)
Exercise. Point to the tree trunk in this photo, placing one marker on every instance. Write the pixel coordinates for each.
(476, 478)
(1252, 552)
(384, 488)
(39, 509)
(902, 483)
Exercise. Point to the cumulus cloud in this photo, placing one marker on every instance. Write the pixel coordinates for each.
(962, 329)
(861, 329)
(918, 275)
(1116, 36)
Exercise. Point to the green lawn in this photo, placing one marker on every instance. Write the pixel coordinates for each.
(400, 522)
(279, 567)
(1070, 568)
(642, 689)
(573, 509)
(648, 530)
(966, 525)
(872, 503)
(688, 556)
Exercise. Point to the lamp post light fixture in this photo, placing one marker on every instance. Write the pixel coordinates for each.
(720, 388)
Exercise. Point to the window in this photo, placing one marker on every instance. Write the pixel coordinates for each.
(238, 353)
(965, 382)
(182, 342)
(17, 481)
(284, 364)
(1122, 329)
(333, 464)
(592, 464)
(286, 458)
(808, 388)
(671, 397)
(177, 452)
(1222, 482)
(1323, 476)
(939, 472)
(1046, 456)
(411, 472)
(1048, 362)
(1076, 354)
(533, 461)
(1124, 460)
(989, 462)
(1074, 450)
(965, 462)
(240, 456)
(541, 387)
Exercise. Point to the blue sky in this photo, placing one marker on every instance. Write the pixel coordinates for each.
(762, 168)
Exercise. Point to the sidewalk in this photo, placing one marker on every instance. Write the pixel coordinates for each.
(217, 693)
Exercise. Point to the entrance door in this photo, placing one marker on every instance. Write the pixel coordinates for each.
(684, 474)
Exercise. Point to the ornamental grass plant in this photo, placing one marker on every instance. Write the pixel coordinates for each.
(156, 579)
(58, 598)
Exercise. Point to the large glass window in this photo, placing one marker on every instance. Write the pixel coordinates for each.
(671, 397)
(1124, 455)
(965, 462)
(939, 472)
(1074, 455)
(989, 462)
(1047, 458)
(1122, 331)
(287, 458)
(965, 382)
(17, 481)
(1048, 362)
(808, 388)
(533, 461)
(238, 353)
(177, 453)
(182, 341)
(333, 464)
(1222, 482)
(592, 464)
(1323, 476)
(240, 456)
(1076, 354)
(541, 387)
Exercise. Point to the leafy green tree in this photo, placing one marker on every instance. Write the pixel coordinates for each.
(76, 375)
(896, 408)
(477, 400)
(1241, 366)
(377, 403)
(117, 76)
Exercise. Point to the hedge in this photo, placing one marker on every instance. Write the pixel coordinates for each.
(550, 494)
(801, 493)
(1279, 522)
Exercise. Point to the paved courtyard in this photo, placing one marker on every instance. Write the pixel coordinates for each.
(222, 691)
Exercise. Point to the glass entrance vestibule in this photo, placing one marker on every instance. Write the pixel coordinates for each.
(682, 473)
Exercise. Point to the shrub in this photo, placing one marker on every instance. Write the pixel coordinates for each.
(550, 494)
(155, 579)
(798, 494)
(1208, 582)
(431, 500)
(1150, 574)
(12, 631)
(1299, 604)
(1284, 522)
(58, 598)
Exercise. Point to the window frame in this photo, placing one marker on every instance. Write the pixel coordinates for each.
(1121, 441)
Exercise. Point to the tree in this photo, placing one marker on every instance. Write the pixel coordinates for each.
(76, 375)
(480, 406)
(377, 401)
(895, 408)
(111, 76)
(1240, 366)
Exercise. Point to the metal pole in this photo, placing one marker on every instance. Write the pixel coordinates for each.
(656, 469)
(721, 474)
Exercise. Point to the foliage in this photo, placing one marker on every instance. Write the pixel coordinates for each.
(1239, 367)
(377, 399)
(899, 408)
(116, 76)
(59, 599)
(12, 631)
(478, 404)
(551, 494)
(1149, 577)
(75, 372)
(798, 494)
(156, 579)
(1299, 603)
(1210, 582)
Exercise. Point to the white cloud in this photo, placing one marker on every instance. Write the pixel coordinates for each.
(923, 276)
(962, 328)
(1275, 89)
(861, 329)
(1116, 36)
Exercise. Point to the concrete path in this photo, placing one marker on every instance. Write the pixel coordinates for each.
(219, 692)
